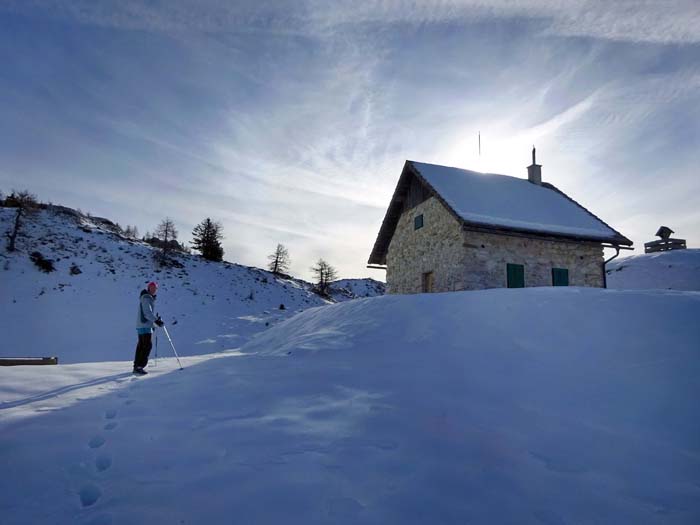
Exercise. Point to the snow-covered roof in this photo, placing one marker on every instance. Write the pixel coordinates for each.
(497, 202)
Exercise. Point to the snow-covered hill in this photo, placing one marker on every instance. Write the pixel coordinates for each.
(86, 309)
(531, 406)
(672, 270)
(348, 289)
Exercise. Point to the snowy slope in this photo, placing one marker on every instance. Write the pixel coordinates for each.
(348, 289)
(672, 270)
(532, 406)
(91, 316)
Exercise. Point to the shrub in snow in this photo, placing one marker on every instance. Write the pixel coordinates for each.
(44, 264)
(75, 269)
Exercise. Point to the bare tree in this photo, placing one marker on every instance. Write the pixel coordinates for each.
(166, 233)
(279, 260)
(25, 203)
(324, 274)
(206, 239)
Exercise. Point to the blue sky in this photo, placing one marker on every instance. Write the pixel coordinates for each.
(290, 121)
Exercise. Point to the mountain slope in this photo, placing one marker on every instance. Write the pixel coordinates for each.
(86, 309)
(349, 289)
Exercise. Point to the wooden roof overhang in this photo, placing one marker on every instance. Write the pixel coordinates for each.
(395, 209)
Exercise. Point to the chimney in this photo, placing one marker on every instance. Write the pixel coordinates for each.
(534, 171)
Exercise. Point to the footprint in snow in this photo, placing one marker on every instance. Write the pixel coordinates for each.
(111, 425)
(96, 442)
(103, 462)
(111, 413)
(89, 494)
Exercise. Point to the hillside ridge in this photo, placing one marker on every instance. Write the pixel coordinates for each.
(76, 276)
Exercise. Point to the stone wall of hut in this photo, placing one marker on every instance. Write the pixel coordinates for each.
(468, 260)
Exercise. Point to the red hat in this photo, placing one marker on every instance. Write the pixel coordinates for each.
(153, 284)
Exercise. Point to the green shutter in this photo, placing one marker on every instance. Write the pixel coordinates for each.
(515, 275)
(560, 277)
(418, 222)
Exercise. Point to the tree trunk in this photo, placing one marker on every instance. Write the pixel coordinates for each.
(13, 236)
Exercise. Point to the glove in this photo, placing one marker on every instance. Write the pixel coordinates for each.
(159, 322)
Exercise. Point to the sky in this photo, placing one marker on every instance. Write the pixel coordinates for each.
(290, 121)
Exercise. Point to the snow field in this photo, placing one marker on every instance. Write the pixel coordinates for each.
(672, 270)
(502, 406)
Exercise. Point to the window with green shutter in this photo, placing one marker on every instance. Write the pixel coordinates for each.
(515, 275)
(418, 222)
(560, 277)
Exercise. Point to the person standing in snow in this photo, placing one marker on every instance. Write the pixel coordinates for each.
(144, 327)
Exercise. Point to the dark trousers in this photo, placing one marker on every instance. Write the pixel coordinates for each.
(143, 350)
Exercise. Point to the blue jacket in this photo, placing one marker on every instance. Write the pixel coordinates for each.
(146, 316)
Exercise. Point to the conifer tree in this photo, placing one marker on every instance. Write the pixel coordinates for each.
(206, 239)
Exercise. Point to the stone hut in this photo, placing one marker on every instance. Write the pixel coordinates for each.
(453, 229)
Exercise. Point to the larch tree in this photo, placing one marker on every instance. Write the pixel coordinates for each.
(25, 203)
(324, 274)
(166, 233)
(279, 260)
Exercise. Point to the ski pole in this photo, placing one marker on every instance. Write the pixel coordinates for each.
(173, 346)
(156, 363)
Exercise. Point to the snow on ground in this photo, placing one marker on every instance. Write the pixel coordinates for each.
(530, 406)
(672, 270)
(91, 315)
(348, 289)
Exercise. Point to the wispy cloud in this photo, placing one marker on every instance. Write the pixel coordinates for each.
(290, 121)
(659, 21)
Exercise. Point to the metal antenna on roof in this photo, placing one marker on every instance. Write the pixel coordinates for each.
(480, 144)
(533, 154)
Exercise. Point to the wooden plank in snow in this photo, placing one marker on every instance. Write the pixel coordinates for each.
(16, 361)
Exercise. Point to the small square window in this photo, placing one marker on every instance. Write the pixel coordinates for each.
(418, 222)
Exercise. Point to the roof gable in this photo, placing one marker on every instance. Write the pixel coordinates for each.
(497, 202)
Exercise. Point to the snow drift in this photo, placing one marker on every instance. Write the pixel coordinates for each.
(672, 270)
(522, 406)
